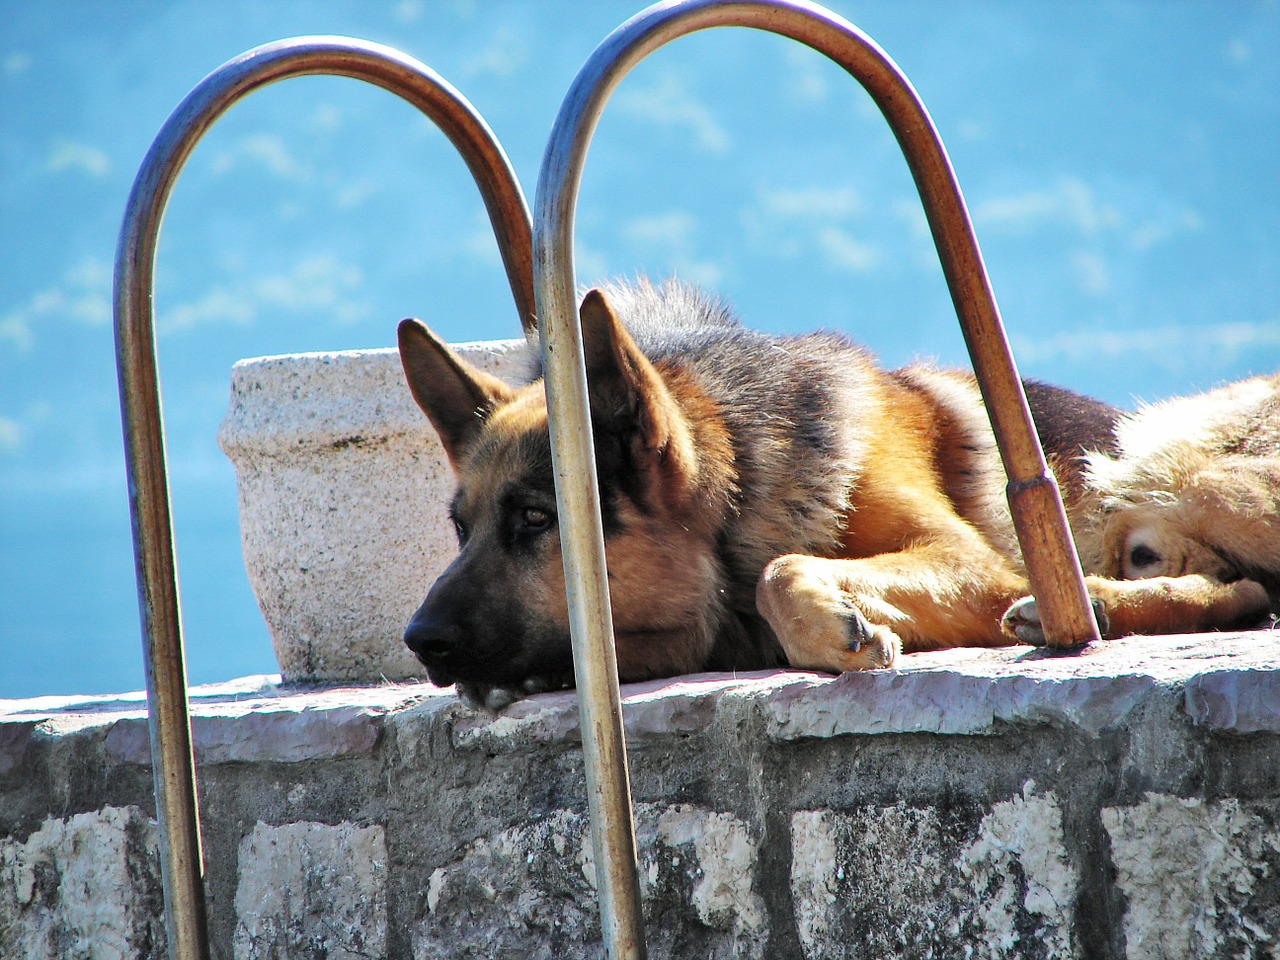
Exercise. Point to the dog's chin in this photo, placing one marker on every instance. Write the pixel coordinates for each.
(439, 675)
(496, 697)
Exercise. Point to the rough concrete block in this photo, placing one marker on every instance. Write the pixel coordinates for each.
(1092, 690)
(83, 888)
(519, 893)
(652, 711)
(280, 731)
(1201, 879)
(528, 892)
(1238, 701)
(311, 891)
(929, 882)
(953, 701)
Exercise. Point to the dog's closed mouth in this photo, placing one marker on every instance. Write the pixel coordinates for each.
(496, 697)
(439, 676)
(484, 693)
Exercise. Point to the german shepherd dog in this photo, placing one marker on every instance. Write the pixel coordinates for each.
(766, 500)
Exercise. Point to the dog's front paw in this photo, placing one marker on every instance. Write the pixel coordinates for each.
(1021, 622)
(819, 625)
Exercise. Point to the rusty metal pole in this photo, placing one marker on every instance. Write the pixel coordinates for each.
(1035, 502)
(173, 762)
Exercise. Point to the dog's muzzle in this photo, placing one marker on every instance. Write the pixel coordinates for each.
(435, 642)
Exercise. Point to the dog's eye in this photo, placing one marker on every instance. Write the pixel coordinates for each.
(460, 530)
(535, 519)
(1143, 556)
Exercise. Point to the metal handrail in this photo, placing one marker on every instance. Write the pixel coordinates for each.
(1035, 503)
(171, 750)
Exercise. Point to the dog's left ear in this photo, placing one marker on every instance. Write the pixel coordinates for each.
(629, 396)
(454, 395)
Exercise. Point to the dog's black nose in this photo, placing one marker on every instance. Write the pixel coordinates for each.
(432, 639)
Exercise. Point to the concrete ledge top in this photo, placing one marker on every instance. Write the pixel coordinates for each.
(1224, 682)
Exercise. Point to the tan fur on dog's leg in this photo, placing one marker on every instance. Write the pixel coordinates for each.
(1158, 605)
(1189, 604)
(835, 614)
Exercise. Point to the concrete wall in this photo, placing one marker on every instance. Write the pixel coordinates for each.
(1120, 803)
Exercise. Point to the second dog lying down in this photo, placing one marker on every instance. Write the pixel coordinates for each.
(1191, 487)
(771, 500)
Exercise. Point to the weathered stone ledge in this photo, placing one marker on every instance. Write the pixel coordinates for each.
(1119, 802)
(1228, 683)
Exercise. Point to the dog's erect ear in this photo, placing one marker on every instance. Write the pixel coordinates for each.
(629, 395)
(454, 395)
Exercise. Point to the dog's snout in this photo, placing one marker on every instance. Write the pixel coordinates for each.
(431, 638)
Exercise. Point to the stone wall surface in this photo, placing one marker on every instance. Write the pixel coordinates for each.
(1120, 802)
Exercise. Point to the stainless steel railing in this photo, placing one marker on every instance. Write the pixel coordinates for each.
(1036, 504)
(177, 806)
(541, 273)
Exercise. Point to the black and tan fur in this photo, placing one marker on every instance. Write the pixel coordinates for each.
(766, 500)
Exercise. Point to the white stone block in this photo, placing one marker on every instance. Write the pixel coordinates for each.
(83, 888)
(529, 891)
(309, 891)
(723, 856)
(1200, 879)
(917, 881)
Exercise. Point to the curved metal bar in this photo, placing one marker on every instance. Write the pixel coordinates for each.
(1036, 504)
(172, 758)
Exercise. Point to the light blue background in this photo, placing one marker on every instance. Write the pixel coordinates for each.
(1119, 159)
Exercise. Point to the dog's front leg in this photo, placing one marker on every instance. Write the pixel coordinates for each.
(838, 615)
(1158, 605)
(815, 621)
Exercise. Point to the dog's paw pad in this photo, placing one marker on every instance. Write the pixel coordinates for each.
(1021, 623)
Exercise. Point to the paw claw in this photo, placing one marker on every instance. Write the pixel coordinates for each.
(857, 631)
